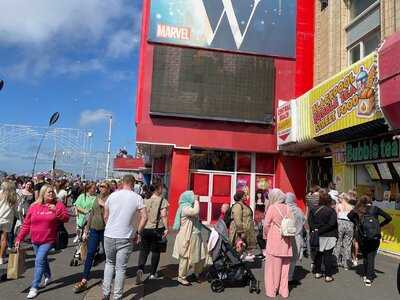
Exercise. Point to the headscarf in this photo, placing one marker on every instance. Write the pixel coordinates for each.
(298, 215)
(185, 200)
(276, 196)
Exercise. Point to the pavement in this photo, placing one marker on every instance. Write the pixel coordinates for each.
(347, 285)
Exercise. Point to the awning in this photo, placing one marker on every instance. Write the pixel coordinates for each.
(128, 164)
(389, 83)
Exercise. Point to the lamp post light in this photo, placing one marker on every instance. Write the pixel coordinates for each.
(53, 119)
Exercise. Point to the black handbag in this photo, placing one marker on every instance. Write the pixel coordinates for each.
(62, 237)
(314, 235)
(314, 239)
(161, 242)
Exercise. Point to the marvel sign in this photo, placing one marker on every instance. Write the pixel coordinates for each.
(263, 27)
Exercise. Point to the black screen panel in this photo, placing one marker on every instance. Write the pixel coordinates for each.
(203, 84)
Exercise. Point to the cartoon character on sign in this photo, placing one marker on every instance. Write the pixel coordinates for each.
(365, 81)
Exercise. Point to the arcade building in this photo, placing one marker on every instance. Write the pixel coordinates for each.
(206, 110)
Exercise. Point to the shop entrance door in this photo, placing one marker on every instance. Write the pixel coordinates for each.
(214, 190)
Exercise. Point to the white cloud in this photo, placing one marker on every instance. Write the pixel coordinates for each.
(89, 117)
(122, 43)
(78, 67)
(34, 67)
(49, 37)
(40, 21)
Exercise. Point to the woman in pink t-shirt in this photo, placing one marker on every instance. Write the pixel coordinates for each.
(42, 221)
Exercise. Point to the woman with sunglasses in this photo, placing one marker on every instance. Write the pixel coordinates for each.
(95, 232)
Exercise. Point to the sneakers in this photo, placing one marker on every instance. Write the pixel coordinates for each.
(368, 282)
(318, 275)
(1, 261)
(355, 262)
(32, 293)
(153, 277)
(45, 282)
(139, 276)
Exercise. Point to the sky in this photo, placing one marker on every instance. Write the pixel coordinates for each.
(75, 57)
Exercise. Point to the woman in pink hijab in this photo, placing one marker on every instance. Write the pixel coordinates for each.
(279, 248)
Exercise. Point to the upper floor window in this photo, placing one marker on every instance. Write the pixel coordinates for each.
(358, 6)
(365, 46)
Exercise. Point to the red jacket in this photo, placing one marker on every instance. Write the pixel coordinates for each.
(42, 223)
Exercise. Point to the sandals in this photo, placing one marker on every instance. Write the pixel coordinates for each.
(184, 282)
(80, 287)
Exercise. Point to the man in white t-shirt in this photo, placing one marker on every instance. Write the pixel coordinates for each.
(119, 213)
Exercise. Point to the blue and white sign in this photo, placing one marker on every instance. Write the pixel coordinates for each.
(264, 27)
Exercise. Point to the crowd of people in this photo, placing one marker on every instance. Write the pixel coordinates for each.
(333, 230)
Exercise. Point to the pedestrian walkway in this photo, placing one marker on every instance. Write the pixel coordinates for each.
(347, 284)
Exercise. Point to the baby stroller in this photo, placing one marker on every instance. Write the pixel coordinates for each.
(228, 270)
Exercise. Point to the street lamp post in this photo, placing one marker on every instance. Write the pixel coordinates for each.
(109, 148)
(53, 119)
(87, 148)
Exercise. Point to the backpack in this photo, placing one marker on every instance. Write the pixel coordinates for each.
(228, 216)
(288, 226)
(369, 227)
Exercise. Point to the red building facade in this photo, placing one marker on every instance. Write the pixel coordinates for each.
(177, 146)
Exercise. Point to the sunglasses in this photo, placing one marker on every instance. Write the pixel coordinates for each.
(103, 186)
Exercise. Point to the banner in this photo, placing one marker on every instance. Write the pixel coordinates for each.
(266, 27)
(286, 122)
(347, 99)
(391, 233)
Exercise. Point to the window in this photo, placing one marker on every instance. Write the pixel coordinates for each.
(212, 160)
(371, 42)
(355, 54)
(365, 46)
(358, 6)
(324, 4)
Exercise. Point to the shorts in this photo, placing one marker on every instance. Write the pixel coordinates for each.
(6, 227)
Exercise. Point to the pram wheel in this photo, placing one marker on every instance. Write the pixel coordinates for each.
(254, 287)
(74, 262)
(217, 286)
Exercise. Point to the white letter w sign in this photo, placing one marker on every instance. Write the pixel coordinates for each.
(229, 12)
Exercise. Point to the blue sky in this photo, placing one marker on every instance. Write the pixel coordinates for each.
(72, 56)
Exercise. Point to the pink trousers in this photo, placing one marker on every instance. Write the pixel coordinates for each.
(276, 276)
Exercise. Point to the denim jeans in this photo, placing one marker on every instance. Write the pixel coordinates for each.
(95, 237)
(117, 256)
(42, 267)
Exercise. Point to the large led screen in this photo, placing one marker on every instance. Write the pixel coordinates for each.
(266, 27)
(214, 85)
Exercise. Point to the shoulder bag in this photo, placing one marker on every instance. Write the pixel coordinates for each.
(161, 242)
(314, 234)
(62, 237)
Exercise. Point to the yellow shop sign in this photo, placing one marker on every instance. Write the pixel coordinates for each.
(347, 99)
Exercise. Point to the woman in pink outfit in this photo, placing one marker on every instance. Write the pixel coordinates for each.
(279, 248)
(41, 222)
